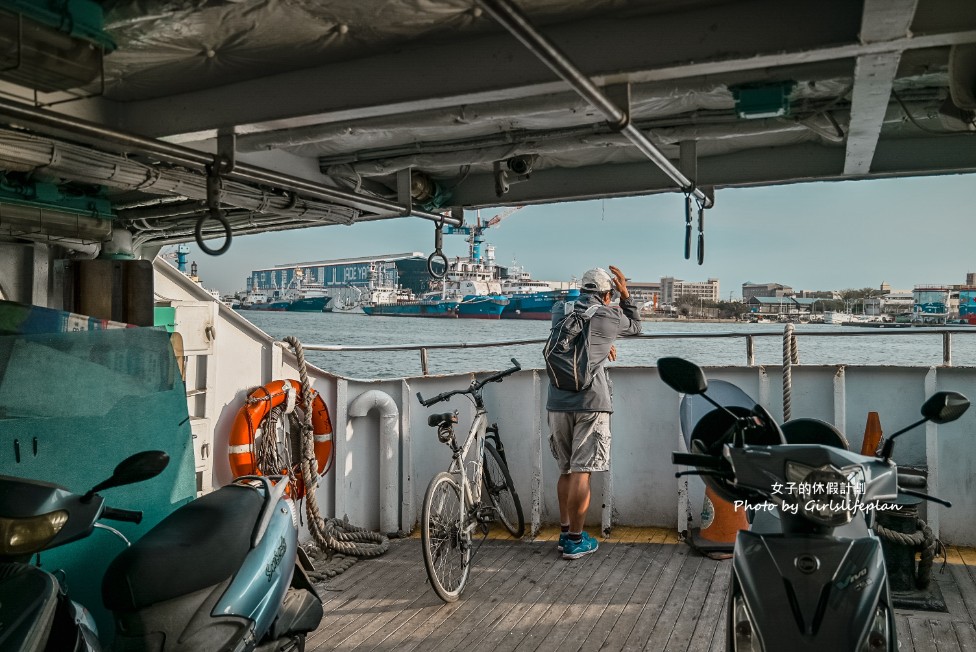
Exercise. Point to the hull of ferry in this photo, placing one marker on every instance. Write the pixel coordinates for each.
(482, 306)
(443, 309)
(536, 305)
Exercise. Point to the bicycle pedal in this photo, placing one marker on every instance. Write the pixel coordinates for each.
(485, 515)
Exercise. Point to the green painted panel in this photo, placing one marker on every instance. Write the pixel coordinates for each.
(85, 401)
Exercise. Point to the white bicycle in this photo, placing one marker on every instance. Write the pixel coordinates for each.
(454, 505)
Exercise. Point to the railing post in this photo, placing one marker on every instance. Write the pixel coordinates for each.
(947, 348)
(423, 362)
(750, 351)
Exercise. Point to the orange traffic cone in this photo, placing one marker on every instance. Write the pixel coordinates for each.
(872, 435)
(721, 521)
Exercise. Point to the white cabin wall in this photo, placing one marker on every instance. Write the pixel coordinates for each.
(952, 463)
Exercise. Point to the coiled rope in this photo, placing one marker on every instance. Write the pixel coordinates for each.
(922, 540)
(334, 535)
(791, 356)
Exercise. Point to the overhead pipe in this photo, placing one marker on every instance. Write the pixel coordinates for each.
(98, 135)
(389, 415)
(517, 23)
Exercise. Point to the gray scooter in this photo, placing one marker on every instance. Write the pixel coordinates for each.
(809, 574)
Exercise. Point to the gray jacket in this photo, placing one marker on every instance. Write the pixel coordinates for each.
(606, 325)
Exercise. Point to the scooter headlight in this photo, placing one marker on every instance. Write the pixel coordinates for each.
(20, 536)
(826, 494)
(744, 638)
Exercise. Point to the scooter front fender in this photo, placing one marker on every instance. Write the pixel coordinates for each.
(30, 600)
(810, 592)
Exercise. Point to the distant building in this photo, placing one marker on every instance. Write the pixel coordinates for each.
(642, 292)
(970, 279)
(344, 272)
(750, 290)
(672, 288)
(777, 305)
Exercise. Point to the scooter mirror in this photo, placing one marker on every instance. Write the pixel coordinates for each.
(135, 468)
(682, 376)
(943, 407)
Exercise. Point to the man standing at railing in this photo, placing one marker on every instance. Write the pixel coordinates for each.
(579, 405)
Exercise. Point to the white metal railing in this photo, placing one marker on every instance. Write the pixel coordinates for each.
(750, 341)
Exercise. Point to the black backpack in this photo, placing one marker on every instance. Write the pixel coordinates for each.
(567, 362)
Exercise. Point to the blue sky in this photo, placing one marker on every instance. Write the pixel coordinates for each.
(814, 236)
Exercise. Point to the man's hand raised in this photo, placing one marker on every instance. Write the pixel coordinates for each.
(620, 282)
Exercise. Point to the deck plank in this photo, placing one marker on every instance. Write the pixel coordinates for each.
(637, 592)
(642, 626)
(407, 603)
(430, 627)
(506, 623)
(552, 625)
(482, 605)
(691, 609)
(580, 616)
(622, 595)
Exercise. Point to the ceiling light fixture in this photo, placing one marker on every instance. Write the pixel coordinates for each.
(753, 101)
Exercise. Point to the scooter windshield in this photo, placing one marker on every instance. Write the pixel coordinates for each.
(694, 407)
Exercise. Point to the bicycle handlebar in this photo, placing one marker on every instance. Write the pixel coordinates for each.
(474, 387)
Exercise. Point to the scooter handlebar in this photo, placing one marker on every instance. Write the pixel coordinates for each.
(701, 461)
(127, 515)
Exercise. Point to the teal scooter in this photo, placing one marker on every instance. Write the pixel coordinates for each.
(219, 573)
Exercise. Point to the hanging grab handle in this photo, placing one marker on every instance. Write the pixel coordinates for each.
(689, 202)
(214, 186)
(438, 254)
(701, 234)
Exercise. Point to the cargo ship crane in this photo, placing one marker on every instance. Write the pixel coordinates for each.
(476, 231)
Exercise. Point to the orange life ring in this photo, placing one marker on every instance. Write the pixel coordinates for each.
(256, 408)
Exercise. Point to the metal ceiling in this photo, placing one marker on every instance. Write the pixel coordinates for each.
(353, 94)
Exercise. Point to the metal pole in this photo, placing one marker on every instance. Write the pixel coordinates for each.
(98, 136)
(423, 362)
(750, 350)
(947, 348)
(517, 23)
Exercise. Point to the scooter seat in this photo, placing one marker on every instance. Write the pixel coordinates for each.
(199, 545)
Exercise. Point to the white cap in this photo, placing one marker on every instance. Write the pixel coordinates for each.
(596, 280)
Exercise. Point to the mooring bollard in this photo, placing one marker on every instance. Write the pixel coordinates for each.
(900, 540)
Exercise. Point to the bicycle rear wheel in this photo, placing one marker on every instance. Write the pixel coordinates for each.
(501, 492)
(447, 549)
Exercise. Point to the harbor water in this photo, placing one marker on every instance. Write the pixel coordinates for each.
(882, 347)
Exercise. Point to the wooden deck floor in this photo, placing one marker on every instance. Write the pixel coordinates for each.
(641, 591)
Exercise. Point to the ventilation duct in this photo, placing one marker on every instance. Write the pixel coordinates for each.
(51, 46)
(40, 211)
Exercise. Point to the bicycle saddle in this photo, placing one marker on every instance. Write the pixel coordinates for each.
(438, 420)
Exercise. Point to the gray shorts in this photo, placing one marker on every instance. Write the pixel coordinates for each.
(580, 441)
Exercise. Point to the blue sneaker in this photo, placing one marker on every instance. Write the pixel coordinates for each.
(563, 538)
(575, 550)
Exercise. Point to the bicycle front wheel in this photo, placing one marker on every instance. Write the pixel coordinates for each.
(501, 492)
(447, 549)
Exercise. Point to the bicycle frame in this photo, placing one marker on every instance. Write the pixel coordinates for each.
(471, 488)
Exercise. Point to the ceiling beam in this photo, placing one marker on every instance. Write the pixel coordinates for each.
(883, 21)
(718, 40)
(926, 155)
